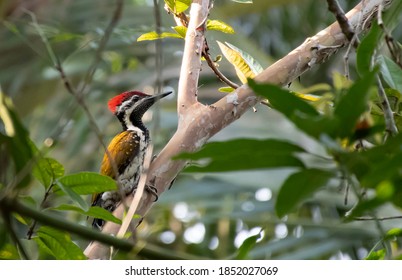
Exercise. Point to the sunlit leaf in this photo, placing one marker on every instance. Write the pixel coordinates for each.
(226, 89)
(221, 26)
(181, 5)
(245, 65)
(154, 36)
(376, 255)
(181, 30)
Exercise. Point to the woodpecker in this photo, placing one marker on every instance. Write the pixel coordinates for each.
(127, 149)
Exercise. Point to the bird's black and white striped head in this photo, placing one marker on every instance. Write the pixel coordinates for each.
(130, 106)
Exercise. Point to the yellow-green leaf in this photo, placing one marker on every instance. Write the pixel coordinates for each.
(226, 89)
(154, 36)
(181, 30)
(307, 97)
(181, 5)
(219, 26)
(245, 65)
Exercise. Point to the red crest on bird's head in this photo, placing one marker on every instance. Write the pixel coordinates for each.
(119, 99)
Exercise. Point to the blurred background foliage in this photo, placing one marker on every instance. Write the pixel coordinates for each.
(203, 215)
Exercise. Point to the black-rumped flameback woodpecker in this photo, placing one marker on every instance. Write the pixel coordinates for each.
(127, 149)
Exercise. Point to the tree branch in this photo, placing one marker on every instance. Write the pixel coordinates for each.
(197, 122)
(191, 63)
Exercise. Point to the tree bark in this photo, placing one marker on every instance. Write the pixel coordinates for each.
(197, 122)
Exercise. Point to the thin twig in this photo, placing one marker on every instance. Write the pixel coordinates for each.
(390, 125)
(183, 19)
(377, 219)
(217, 72)
(13, 205)
(102, 45)
(336, 9)
(393, 47)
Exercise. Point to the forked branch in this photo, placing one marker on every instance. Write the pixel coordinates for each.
(197, 122)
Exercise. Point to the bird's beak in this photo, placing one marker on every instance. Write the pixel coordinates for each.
(159, 96)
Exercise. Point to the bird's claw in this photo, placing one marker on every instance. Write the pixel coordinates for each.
(152, 190)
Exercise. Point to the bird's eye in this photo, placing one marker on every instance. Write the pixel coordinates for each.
(136, 98)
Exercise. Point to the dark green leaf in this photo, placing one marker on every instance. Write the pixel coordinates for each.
(298, 186)
(58, 244)
(387, 169)
(282, 100)
(366, 49)
(47, 170)
(352, 105)
(247, 245)
(245, 154)
(94, 211)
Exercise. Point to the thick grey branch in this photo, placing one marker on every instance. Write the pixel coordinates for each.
(198, 123)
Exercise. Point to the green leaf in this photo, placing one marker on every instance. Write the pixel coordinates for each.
(353, 104)
(154, 36)
(282, 100)
(217, 25)
(389, 169)
(376, 255)
(94, 211)
(181, 6)
(181, 30)
(58, 244)
(366, 49)
(391, 73)
(47, 170)
(247, 245)
(394, 232)
(73, 195)
(384, 193)
(245, 65)
(88, 183)
(20, 146)
(298, 186)
(9, 252)
(178, 6)
(244, 154)
(226, 89)
(254, 65)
